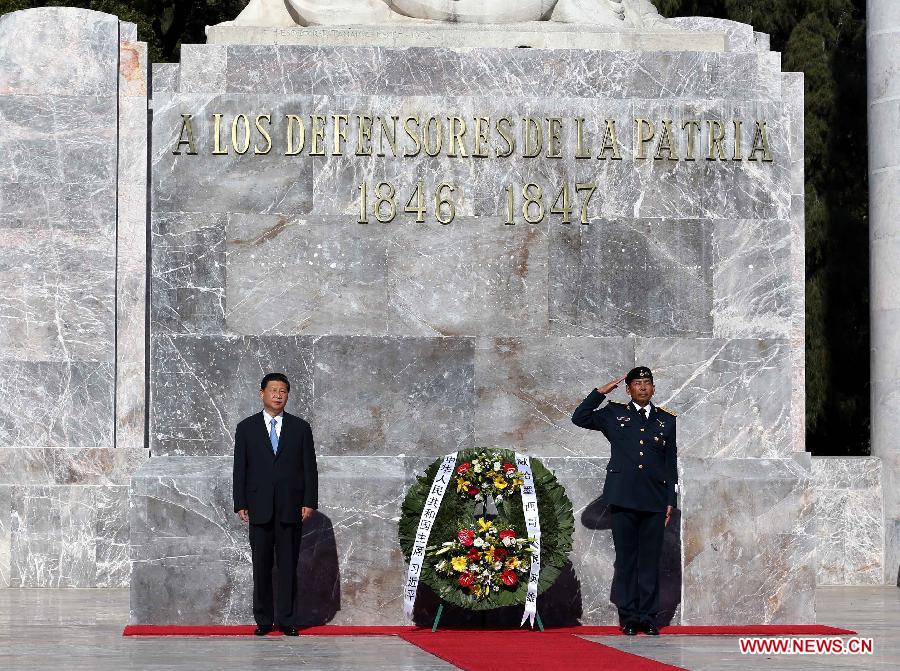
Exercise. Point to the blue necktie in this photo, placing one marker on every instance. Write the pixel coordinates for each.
(273, 437)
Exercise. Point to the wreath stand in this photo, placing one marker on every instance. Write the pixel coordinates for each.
(440, 610)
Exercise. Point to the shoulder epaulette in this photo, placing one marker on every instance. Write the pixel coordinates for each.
(618, 403)
(665, 409)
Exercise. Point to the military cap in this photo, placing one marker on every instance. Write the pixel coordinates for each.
(639, 373)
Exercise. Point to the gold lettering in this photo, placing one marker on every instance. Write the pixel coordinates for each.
(431, 149)
(737, 140)
(641, 137)
(716, 140)
(579, 134)
(666, 143)
(264, 133)
(692, 126)
(186, 127)
(504, 128)
(414, 135)
(317, 135)
(457, 133)
(610, 142)
(554, 128)
(363, 147)
(240, 148)
(340, 122)
(482, 124)
(392, 137)
(530, 150)
(760, 143)
(217, 136)
(291, 120)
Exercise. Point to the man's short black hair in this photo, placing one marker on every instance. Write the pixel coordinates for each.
(275, 377)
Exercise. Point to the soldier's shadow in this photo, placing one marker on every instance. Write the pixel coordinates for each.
(596, 516)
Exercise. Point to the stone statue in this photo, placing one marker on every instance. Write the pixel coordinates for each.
(285, 13)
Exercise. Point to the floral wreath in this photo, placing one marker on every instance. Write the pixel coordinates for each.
(480, 563)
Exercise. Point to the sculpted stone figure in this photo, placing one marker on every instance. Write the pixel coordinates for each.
(613, 13)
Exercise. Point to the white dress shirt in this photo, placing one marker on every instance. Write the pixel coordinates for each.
(648, 407)
(268, 419)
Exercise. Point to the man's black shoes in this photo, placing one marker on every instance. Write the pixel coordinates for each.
(290, 630)
(650, 629)
(630, 629)
(262, 629)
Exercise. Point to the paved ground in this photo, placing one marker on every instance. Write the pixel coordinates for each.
(74, 630)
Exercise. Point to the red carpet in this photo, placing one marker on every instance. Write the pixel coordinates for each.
(500, 651)
(333, 630)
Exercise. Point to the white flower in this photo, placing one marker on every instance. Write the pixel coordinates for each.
(497, 565)
(507, 541)
(479, 543)
(477, 467)
(496, 465)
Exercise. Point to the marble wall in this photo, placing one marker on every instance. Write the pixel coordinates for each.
(72, 118)
(850, 534)
(404, 341)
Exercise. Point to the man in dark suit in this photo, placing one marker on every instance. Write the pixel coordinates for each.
(640, 490)
(275, 489)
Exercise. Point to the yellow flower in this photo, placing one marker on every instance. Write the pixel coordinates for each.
(500, 482)
(512, 562)
(483, 525)
(462, 486)
(459, 563)
(477, 589)
(489, 555)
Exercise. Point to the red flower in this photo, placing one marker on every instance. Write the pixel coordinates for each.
(466, 537)
(467, 578)
(508, 577)
(500, 553)
(507, 533)
(508, 468)
(473, 491)
(463, 468)
(474, 554)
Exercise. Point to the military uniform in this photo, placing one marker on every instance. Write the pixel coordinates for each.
(640, 484)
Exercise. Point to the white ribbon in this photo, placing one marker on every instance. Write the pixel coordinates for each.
(442, 480)
(533, 526)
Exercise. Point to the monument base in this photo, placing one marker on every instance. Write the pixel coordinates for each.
(190, 554)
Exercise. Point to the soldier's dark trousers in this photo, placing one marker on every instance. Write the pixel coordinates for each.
(638, 538)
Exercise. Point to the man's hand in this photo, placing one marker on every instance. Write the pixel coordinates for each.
(668, 514)
(609, 386)
(243, 515)
(306, 513)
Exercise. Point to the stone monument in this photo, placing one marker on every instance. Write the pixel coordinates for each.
(468, 235)
(471, 238)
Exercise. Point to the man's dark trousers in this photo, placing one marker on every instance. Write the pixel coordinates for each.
(638, 538)
(278, 541)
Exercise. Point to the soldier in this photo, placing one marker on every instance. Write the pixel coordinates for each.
(640, 488)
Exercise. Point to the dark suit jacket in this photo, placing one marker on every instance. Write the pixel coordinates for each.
(267, 485)
(643, 469)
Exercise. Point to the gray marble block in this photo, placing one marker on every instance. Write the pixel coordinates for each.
(73, 120)
(749, 541)
(850, 535)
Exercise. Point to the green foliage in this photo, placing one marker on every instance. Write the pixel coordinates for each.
(825, 39)
(556, 519)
